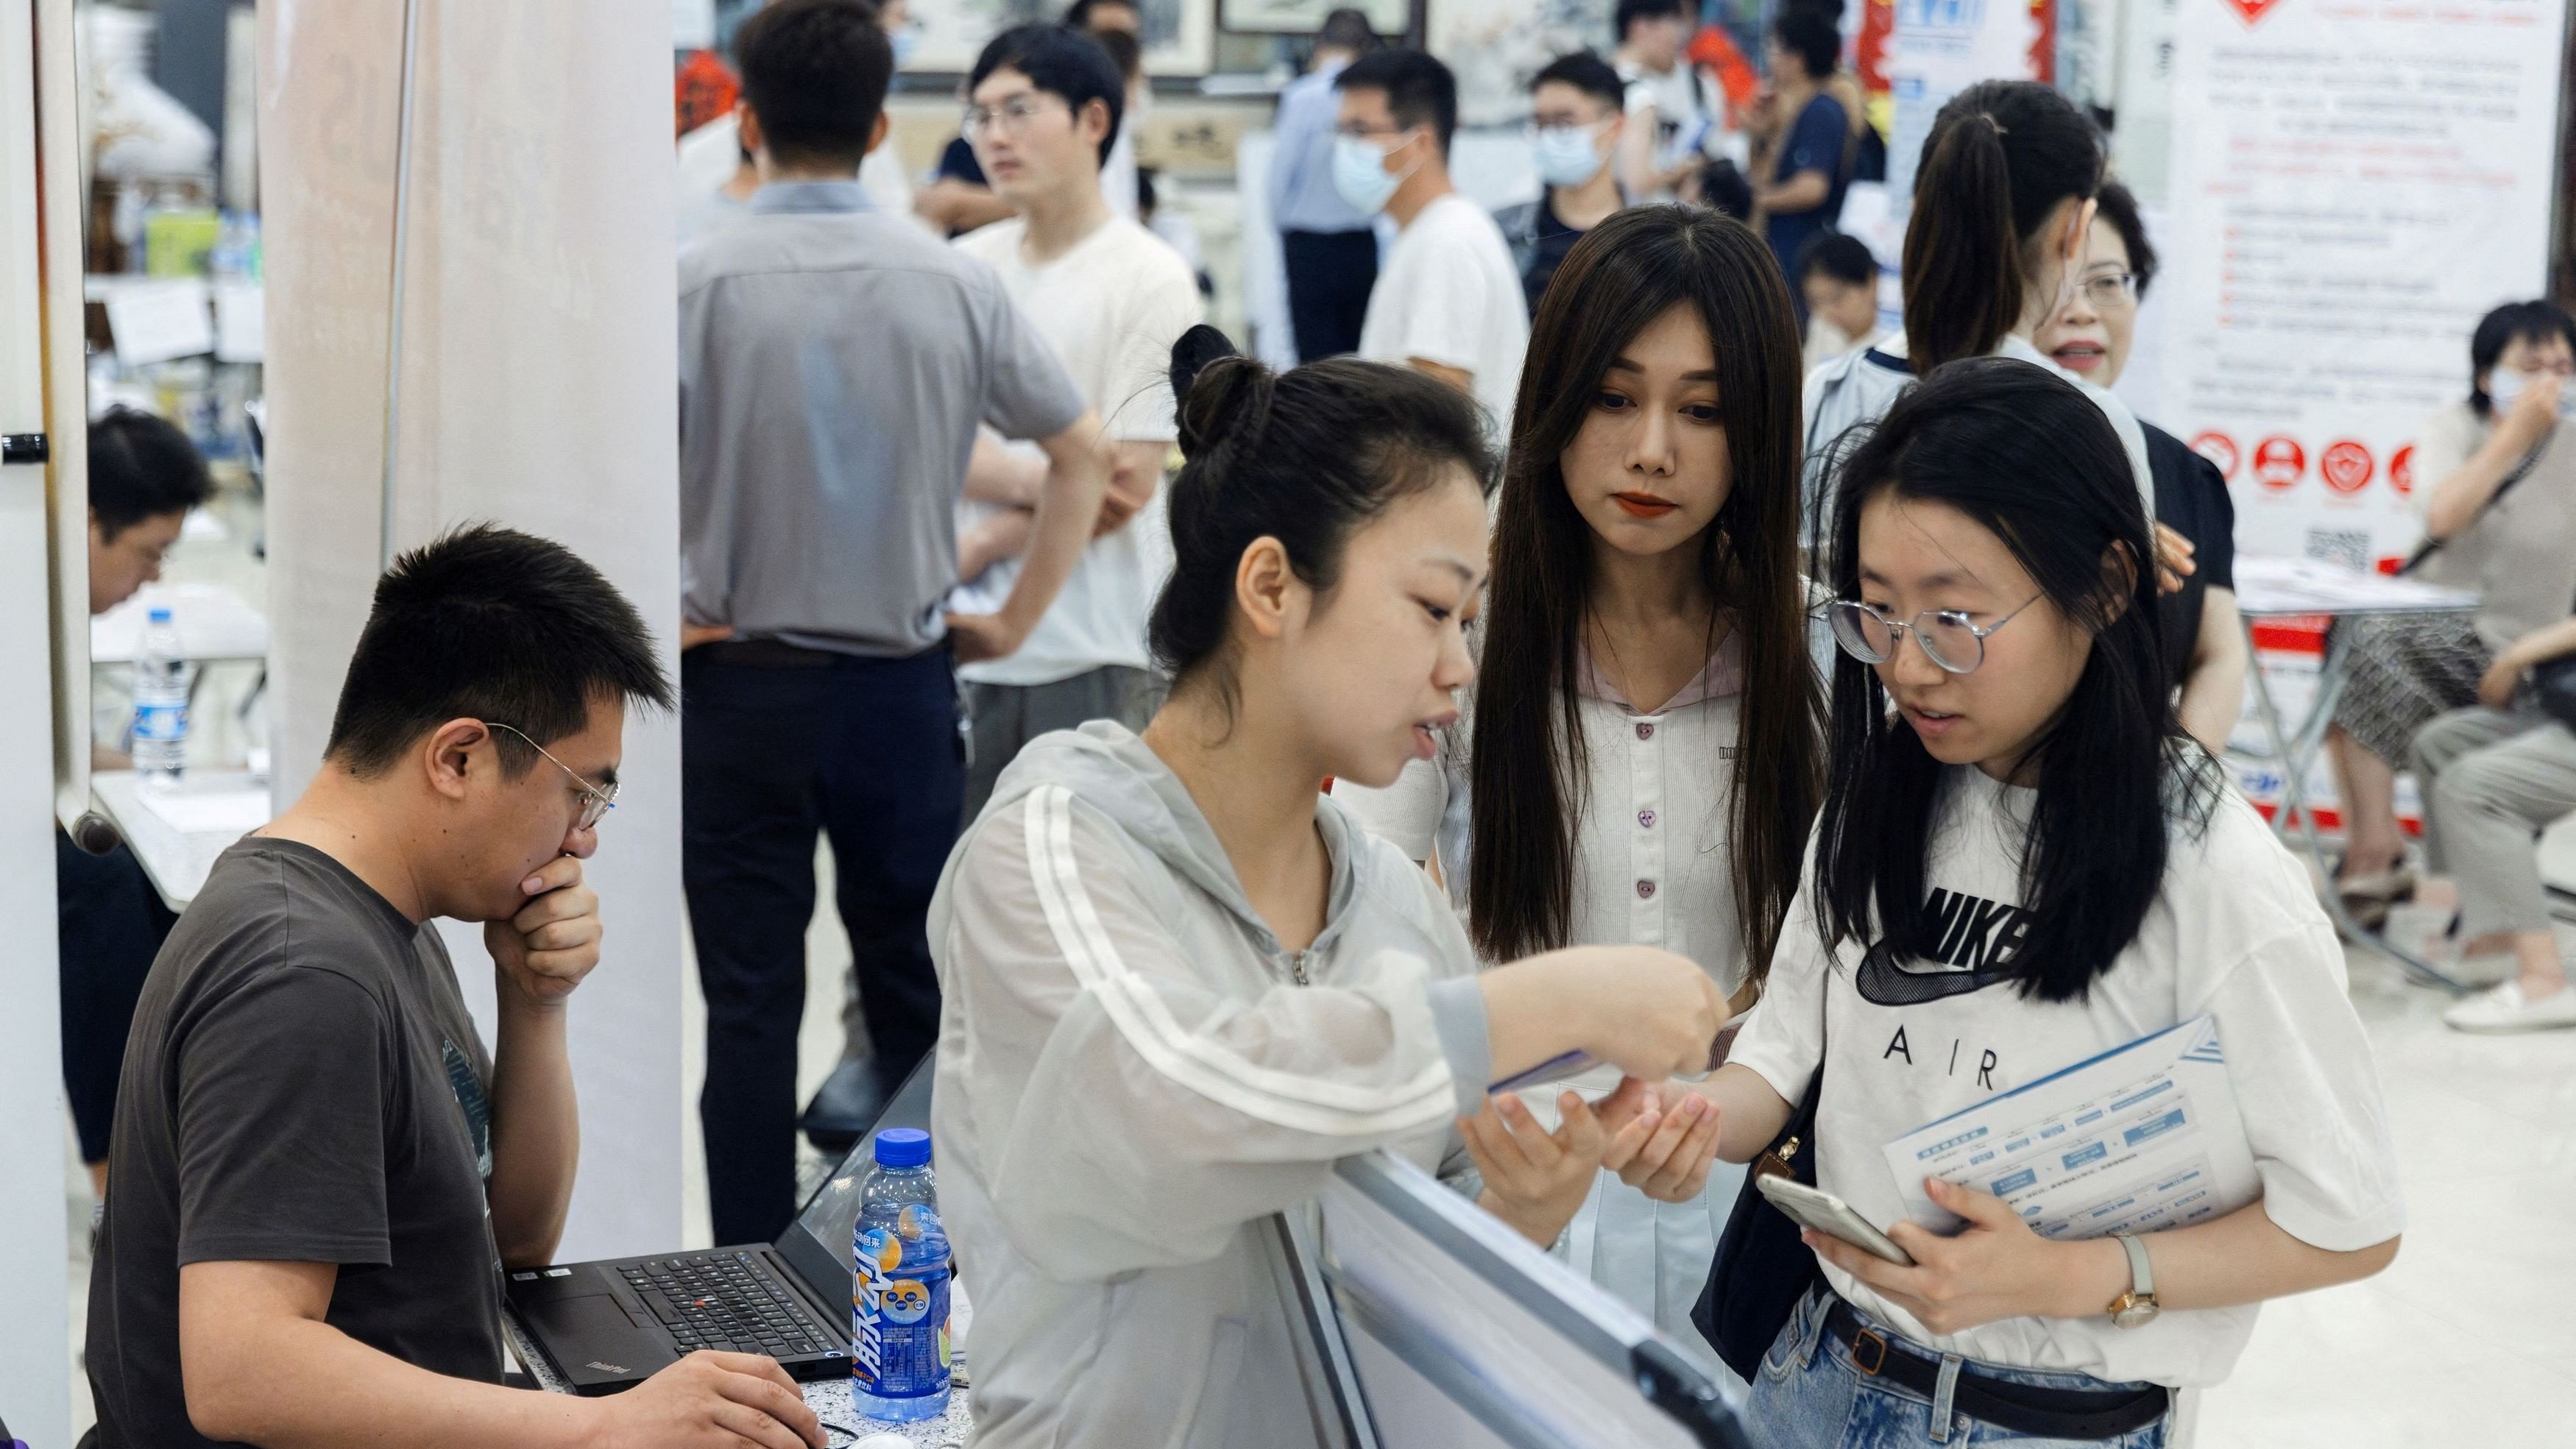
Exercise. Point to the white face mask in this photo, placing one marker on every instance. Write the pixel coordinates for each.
(1360, 174)
(2505, 385)
(1568, 155)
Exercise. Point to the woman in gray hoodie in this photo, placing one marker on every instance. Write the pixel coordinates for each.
(1180, 983)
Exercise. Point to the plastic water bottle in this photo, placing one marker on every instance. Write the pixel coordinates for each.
(162, 675)
(899, 1371)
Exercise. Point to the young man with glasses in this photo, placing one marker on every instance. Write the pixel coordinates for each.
(1110, 298)
(1448, 300)
(1576, 121)
(835, 363)
(320, 1171)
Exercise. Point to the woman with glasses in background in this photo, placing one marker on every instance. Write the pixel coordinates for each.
(2091, 337)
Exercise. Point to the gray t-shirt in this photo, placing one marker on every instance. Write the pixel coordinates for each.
(834, 362)
(303, 1084)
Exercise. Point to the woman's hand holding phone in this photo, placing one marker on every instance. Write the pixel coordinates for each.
(1993, 1269)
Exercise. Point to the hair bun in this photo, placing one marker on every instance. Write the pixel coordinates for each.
(1219, 392)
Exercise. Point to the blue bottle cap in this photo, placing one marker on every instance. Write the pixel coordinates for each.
(903, 1147)
(161, 614)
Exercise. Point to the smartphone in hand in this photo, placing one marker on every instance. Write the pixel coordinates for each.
(1815, 1208)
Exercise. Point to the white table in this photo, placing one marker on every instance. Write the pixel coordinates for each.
(215, 625)
(2270, 587)
(178, 840)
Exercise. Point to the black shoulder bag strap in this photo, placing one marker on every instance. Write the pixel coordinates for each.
(1762, 1270)
(2521, 470)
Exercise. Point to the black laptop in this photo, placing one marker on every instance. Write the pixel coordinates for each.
(609, 1326)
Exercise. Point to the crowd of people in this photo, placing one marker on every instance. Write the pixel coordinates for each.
(1659, 682)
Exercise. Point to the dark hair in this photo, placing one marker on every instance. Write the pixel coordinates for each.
(141, 466)
(1527, 764)
(1420, 91)
(1629, 12)
(1841, 256)
(1724, 189)
(2025, 455)
(1066, 62)
(2000, 157)
(2534, 321)
(1305, 457)
(492, 624)
(815, 73)
(1810, 35)
(1586, 72)
(1125, 51)
(1078, 14)
(1346, 29)
(2119, 206)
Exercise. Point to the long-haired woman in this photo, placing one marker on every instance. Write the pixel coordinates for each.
(2023, 862)
(1641, 762)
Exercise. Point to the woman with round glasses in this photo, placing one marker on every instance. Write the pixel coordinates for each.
(2205, 650)
(2023, 862)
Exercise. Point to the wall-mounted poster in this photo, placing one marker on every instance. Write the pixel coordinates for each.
(1305, 17)
(1495, 46)
(1180, 35)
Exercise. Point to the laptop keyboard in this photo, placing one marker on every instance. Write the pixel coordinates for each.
(724, 1301)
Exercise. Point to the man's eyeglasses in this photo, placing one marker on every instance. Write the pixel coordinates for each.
(1948, 637)
(596, 800)
(1011, 115)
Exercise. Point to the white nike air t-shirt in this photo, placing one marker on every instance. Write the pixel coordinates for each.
(2236, 932)
(1448, 293)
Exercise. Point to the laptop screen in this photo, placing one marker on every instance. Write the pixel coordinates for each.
(817, 1244)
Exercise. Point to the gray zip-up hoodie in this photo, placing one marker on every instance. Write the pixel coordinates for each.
(1133, 1076)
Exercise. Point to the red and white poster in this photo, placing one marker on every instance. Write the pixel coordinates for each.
(2353, 184)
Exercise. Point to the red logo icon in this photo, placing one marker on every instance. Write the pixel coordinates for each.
(2219, 449)
(2346, 466)
(2401, 470)
(2252, 11)
(2278, 462)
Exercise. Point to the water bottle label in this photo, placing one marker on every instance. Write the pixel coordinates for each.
(900, 1308)
(160, 721)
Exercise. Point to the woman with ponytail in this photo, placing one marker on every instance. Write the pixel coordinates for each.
(1180, 983)
(2003, 201)
(1641, 760)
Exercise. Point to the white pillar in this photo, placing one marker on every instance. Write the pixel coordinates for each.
(537, 389)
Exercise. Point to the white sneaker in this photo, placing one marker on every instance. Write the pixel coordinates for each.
(2504, 1010)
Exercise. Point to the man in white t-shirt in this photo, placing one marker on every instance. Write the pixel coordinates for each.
(1110, 298)
(1448, 299)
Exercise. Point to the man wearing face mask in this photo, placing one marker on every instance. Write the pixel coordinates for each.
(1448, 301)
(1577, 116)
(1326, 246)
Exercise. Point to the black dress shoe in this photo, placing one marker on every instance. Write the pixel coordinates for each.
(844, 1108)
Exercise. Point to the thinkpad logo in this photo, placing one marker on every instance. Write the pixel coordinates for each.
(608, 1368)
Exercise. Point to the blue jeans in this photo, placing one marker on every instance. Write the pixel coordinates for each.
(1810, 1395)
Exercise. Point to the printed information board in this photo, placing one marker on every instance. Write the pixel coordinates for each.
(2353, 184)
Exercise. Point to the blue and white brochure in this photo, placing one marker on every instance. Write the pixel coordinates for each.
(2142, 1138)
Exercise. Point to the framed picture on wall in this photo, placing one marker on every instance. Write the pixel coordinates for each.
(1305, 17)
(1495, 46)
(1180, 35)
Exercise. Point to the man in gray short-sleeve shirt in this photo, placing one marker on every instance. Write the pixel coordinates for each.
(319, 1170)
(834, 364)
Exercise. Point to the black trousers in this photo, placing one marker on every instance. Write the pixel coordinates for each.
(870, 750)
(1330, 276)
(112, 923)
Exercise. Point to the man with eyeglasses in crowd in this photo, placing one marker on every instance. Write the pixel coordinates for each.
(835, 362)
(320, 1172)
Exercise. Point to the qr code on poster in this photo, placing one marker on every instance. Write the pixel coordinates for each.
(2349, 547)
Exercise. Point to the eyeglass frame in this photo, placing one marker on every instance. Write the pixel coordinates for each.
(596, 800)
(978, 120)
(1897, 631)
(2124, 286)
